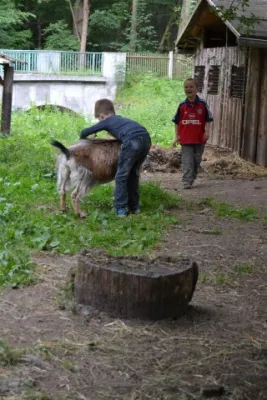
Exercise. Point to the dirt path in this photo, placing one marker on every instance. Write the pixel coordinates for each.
(221, 341)
(238, 192)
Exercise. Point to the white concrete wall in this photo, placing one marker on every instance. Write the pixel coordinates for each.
(48, 61)
(77, 93)
(114, 69)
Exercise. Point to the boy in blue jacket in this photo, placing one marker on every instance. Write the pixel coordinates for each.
(135, 146)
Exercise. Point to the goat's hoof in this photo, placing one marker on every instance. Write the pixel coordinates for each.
(83, 214)
(63, 210)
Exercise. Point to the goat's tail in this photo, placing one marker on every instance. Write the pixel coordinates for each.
(61, 147)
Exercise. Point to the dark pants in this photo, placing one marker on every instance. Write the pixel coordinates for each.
(133, 154)
(191, 159)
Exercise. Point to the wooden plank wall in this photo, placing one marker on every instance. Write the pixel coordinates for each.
(262, 127)
(255, 126)
(251, 123)
(227, 111)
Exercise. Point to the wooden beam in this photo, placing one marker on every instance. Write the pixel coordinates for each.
(7, 99)
(251, 42)
(5, 59)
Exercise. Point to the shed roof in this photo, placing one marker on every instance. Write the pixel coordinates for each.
(256, 8)
(5, 59)
(204, 16)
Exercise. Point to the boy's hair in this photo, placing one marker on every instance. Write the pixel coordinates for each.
(104, 106)
(191, 80)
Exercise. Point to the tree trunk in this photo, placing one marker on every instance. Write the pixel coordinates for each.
(39, 34)
(166, 33)
(75, 25)
(86, 11)
(185, 14)
(133, 35)
(135, 287)
(80, 14)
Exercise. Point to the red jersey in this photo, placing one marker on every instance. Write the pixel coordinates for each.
(192, 118)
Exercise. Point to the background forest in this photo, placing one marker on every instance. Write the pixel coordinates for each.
(90, 25)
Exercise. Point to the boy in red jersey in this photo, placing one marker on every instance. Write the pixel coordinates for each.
(191, 131)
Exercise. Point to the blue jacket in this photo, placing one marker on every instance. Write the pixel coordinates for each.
(121, 128)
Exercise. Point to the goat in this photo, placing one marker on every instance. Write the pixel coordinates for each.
(83, 165)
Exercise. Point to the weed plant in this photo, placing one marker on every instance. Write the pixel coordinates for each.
(223, 209)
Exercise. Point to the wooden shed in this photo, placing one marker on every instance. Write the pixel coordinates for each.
(231, 70)
(7, 82)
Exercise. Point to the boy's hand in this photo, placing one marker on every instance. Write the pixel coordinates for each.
(176, 141)
(206, 136)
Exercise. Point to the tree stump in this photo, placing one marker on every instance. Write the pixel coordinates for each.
(135, 287)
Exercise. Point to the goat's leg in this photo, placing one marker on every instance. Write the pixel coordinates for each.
(63, 193)
(63, 206)
(75, 200)
(84, 184)
(63, 179)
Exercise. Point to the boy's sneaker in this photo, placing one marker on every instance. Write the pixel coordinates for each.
(121, 212)
(137, 211)
(187, 186)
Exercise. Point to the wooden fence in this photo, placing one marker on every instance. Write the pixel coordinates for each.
(163, 65)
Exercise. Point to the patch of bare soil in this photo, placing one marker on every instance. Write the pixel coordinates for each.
(75, 352)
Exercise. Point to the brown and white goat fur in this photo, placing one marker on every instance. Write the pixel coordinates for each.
(83, 165)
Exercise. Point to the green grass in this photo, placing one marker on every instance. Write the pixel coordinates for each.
(32, 394)
(152, 102)
(244, 269)
(223, 209)
(9, 355)
(30, 219)
(231, 278)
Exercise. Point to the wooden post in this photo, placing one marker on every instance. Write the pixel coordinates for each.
(7, 98)
(253, 104)
(261, 157)
(170, 65)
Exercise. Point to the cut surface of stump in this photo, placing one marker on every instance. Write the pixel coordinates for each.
(135, 287)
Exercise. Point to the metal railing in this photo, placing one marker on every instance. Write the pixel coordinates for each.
(55, 62)
(162, 65)
(91, 64)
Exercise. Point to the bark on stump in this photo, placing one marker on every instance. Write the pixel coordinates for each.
(134, 287)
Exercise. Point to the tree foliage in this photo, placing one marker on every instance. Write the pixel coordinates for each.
(13, 33)
(58, 24)
(237, 11)
(60, 37)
